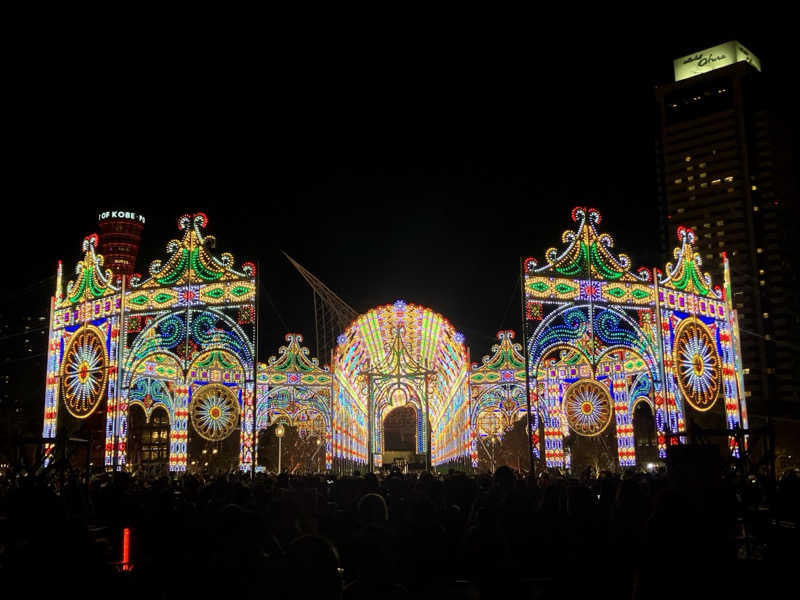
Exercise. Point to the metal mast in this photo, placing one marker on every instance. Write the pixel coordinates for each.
(332, 315)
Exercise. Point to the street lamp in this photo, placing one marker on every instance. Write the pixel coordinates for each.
(279, 431)
(318, 441)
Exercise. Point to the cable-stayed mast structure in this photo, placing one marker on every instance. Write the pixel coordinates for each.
(332, 315)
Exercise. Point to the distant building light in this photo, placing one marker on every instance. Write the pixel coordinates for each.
(713, 58)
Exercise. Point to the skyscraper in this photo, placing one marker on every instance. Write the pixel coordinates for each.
(724, 170)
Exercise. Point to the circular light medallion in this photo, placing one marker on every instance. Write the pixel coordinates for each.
(588, 407)
(214, 412)
(490, 422)
(399, 397)
(84, 372)
(698, 364)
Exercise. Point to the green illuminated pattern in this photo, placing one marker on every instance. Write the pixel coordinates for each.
(92, 281)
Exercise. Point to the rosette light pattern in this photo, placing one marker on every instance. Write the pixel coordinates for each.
(84, 372)
(214, 412)
(698, 365)
(588, 407)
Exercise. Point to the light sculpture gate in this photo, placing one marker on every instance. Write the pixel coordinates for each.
(182, 339)
(602, 337)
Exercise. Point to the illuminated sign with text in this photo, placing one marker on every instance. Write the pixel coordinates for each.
(716, 57)
(120, 214)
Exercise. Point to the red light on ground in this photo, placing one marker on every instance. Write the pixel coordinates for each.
(126, 549)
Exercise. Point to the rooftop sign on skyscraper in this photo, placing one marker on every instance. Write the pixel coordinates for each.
(712, 58)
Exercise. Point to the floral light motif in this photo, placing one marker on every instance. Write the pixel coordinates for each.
(588, 407)
(214, 412)
(84, 373)
(698, 365)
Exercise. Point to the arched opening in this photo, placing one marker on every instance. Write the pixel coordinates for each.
(83, 395)
(88, 436)
(303, 410)
(644, 434)
(502, 445)
(214, 429)
(588, 411)
(301, 447)
(501, 426)
(148, 441)
(406, 346)
(400, 437)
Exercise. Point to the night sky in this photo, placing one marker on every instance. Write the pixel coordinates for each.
(391, 169)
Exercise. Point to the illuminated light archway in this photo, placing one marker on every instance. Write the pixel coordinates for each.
(293, 387)
(497, 396)
(194, 302)
(667, 336)
(402, 346)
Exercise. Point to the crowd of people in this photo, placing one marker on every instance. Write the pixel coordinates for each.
(426, 535)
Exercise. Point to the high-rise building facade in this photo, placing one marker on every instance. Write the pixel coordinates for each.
(721, 158)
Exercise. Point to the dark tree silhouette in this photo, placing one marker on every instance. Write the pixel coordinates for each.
(511, 449)
(297, 454)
